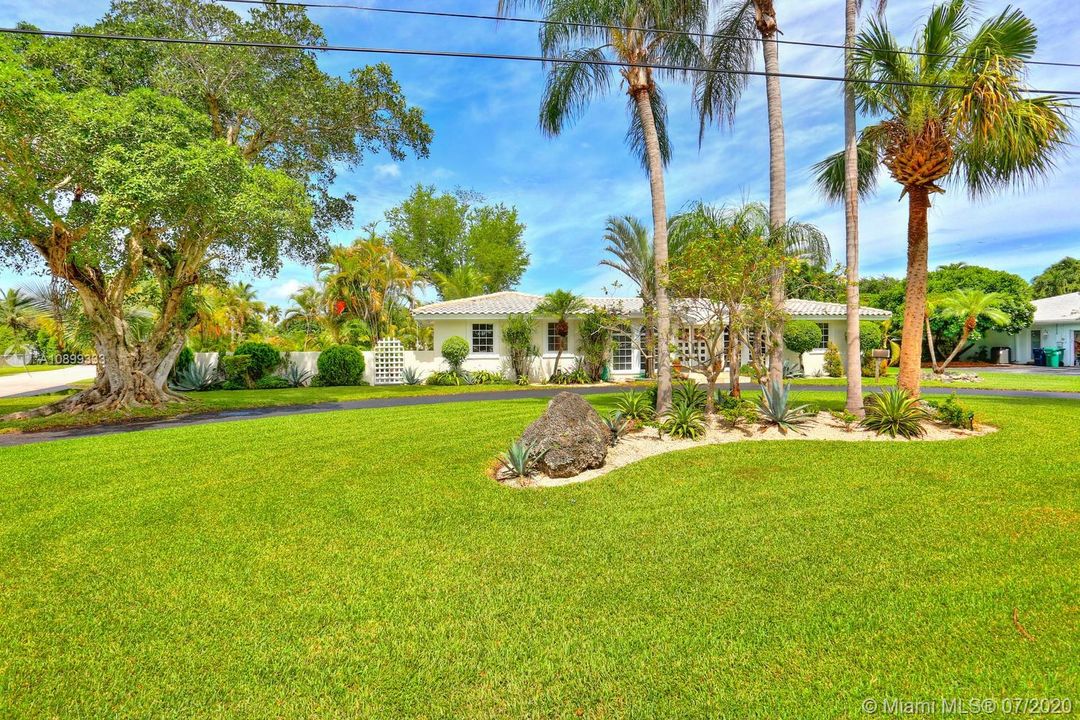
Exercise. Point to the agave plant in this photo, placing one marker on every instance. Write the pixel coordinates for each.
(619, 425)
(775, 408)
(684, 421)
(635, 405)
(519, 459)
(296, 376)
(792, 370)
(895, 412)
(690, 393)
(412, 376)
(194, 378)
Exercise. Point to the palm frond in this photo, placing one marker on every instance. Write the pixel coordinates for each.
(830, 175)
(570, 86)
(728, 55)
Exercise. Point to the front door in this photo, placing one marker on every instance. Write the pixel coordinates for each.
(1076, 347)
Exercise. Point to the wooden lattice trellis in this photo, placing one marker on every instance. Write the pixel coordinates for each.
(389, 359)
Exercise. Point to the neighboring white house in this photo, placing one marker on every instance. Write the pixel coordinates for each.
(479, 320)
(1056, 325)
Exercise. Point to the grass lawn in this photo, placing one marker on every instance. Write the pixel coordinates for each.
(989, 380)
(220, 400)
(359, 564)
(7, 370)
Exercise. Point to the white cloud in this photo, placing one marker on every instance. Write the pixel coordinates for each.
(387, 170)
(282, 290)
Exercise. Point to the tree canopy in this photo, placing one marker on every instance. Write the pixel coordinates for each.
(1061, 278)
(441, 233)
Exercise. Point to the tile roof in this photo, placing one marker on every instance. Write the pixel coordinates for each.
(500, 304)
(1060, 308)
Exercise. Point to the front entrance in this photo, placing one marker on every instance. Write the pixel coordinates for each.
(1076, 347)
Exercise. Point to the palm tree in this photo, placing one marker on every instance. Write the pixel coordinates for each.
(17, 311)
(967, 305)
(560, 304)
(632, 34)
(730, 53)
(273, 314)
(368, 279)
(462, 282)
(243, 306)
(307, 311)
(954, 112)
(57, 301)
(853, 349)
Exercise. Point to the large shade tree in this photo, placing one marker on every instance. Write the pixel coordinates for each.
(602, 38)
(1061, 278)
(954, 111)
(179, 163)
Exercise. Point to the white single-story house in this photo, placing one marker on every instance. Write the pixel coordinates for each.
(479, 320)
(1056, 325)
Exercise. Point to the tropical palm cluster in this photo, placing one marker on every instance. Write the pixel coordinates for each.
(951, 107)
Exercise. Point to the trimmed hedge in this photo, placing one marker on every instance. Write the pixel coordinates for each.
(340, 365)
(265, 359)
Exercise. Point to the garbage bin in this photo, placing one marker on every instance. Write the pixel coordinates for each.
(999, 355)
(1039, 356)
(1053, 357)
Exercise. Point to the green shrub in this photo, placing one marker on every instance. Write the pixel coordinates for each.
(573, 376)
(870, 335)
(893, 413)
(235, 369)
(740, 413)
(684, 421)
(447, 377)
(486, 377)
(235, 385)
(272, 382)
(688, 393)
(775, 408)
(454, 351)
(802, 336)
(845, 418)
(265, 359)
(635, 405)
(833, 366)
(953, 414)
(340, 365)
(517, 337)
(595, 343)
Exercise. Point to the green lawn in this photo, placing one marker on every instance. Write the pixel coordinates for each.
(988, 380)
(220, 400)
(359, 564)
(6, 370)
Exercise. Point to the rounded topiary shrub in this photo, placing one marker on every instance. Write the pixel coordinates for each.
(265, 359)
(454, 351)
(801, 336)
(340, 365)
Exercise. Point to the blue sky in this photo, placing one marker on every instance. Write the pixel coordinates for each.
(486, 138)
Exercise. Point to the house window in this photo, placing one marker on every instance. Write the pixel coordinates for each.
(483, 338)
(824, 335)
(555, 341)
(622, 359)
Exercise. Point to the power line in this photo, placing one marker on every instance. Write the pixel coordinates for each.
(483, 56)
(596, 26)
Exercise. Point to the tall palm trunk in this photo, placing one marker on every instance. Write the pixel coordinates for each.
(766, 23)
(660, 249)
(854, 403)
(915, 296)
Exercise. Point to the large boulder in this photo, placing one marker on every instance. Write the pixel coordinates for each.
(570, 436)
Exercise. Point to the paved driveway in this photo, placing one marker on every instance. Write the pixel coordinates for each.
(1033, 370)
(39, 383)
